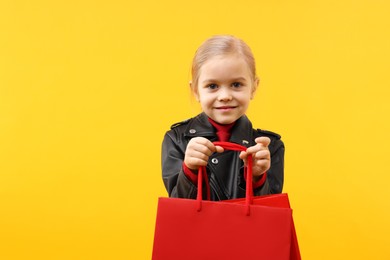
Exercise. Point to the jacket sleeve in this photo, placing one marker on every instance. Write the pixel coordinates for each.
(275, 175)
(176, 182)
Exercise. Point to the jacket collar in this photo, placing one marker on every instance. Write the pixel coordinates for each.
(241, 133)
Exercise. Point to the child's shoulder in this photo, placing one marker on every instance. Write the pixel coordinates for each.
(199, 119)
(267, 133)
(184, 122)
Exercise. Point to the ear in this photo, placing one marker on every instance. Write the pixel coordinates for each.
(256, 83)
(194, 92)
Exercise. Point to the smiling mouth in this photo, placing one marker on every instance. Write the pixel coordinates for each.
(225, 107)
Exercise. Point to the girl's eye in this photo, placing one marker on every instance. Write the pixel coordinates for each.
(236, 84)
(212, 86)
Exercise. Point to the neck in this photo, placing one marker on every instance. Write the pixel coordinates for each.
(221, 127)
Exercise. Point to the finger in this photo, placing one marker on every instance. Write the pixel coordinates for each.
(202, 148)
(263, 154)
(253, 149)
(206, 143)
(198, 155)
(194, 163)
(265, 141)
(219, 149)
(243, 155)
(264, 164)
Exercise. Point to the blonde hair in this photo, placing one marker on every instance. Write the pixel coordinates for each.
(221, 45)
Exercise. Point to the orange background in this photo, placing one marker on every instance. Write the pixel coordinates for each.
(88, 88)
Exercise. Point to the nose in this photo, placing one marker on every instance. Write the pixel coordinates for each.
(224, 94)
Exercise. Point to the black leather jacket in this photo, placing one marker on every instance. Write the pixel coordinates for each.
(225, 170)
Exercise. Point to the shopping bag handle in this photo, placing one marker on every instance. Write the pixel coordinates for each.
(202, 173)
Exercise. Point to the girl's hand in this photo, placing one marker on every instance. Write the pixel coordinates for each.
(198, 152)
(260, 155)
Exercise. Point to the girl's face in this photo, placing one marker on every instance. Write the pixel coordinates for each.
(225, 88)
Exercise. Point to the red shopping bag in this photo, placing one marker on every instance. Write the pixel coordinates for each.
(282, 201)
(237, 229)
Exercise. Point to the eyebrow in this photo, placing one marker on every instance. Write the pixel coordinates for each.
(215, 80)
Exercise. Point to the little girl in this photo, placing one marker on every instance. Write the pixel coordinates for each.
(223, 81)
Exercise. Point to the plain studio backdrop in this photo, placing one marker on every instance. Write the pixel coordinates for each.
(88, 89)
